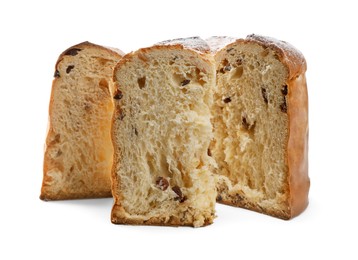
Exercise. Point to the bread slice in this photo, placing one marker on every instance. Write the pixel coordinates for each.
(78, 152)
(161, 133)
(261, 125)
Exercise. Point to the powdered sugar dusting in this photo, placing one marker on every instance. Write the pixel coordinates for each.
(195, 43)
(218, 42)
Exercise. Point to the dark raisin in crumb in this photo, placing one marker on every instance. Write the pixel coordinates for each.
(185, 82)
(72, 52)
(69, 68)
(57, 74)
(136, 131)
(239, 62)
(264, 95)
(180, 197)
(141, 82)
(227, 100)
(283, 106)
(245, 124)
(162, 183)
(118, 95)
(209, 152)
(219, 198)
(284, 90)
(230, 49)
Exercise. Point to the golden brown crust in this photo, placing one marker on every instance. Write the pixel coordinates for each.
(254, 207)
(47, 191)
(118, 218)
(297, 146)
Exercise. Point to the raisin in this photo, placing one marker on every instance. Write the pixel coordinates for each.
(225, 62)
(283, 106)
(141, 82)
(69, 68)
(57, 74)
(245, 124)
(284, 90)
(162, 183)
(264, 94)
(118, 95)
(209, 152)
(227, 100)
(230, 49)
(219, 198)
(180, 196)
(239, 62)
(185, 82)
(72, 52)
(136, 131)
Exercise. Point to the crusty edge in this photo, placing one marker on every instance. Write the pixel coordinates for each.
(45, 195)
(94, 195)
(297, 147)
(118, 214)
(118, 217)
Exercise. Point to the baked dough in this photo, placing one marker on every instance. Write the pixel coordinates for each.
(78, 152)
(260, 119)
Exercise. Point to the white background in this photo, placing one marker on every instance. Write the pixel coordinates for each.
(33, 34)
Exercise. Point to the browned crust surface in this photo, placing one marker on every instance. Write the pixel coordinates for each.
(297, 146)
(254, 207)
(118, 217)
(46, 190)
(47, 196)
